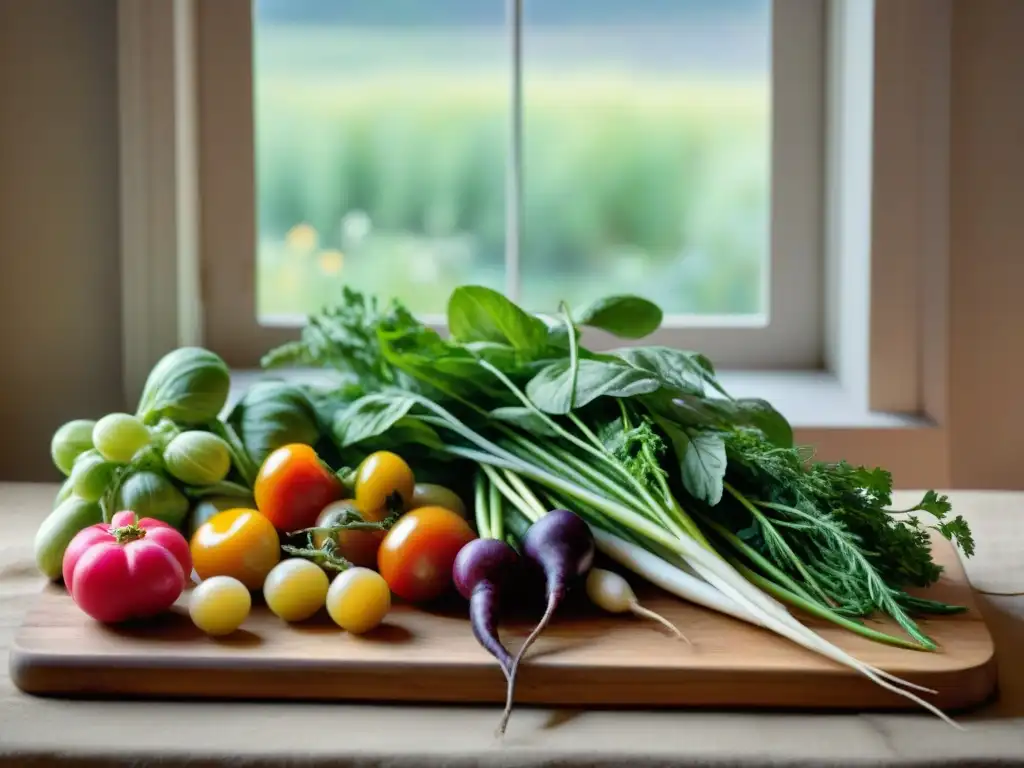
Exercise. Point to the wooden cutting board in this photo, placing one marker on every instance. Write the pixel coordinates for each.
(585, 658)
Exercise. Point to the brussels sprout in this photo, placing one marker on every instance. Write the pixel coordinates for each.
(91, 475)
(198, 458)
(189, 386)
(69, 442)
(59, 528)
(206, 508)
(272, 414)
(149, 494)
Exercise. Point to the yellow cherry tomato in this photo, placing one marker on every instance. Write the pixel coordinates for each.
(219, 605)
(358, 600)
(240, 543)
(380, 475)
(295, 589)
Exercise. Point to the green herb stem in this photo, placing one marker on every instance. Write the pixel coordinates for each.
(480, 511)
(779, 542)
(497, 528)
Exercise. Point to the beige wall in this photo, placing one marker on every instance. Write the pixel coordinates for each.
(60, 353)
(986, 353)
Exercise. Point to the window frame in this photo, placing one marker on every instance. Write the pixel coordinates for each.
(792, 336)
(168, 183)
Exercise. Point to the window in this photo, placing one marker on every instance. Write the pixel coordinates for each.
(670, 148)
(854, 277)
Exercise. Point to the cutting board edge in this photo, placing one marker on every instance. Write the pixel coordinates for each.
(46, 674)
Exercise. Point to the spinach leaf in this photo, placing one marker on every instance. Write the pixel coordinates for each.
(369, 416)
(677, 369)
(703, 468)
(476, 313)
(524, 418)
(551, 389)
(629, 317)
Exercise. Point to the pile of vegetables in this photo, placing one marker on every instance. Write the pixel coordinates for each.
(636, 455)
(175, 459)
(699, 492)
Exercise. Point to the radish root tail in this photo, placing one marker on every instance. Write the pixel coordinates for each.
(647, 613)
(553, 599)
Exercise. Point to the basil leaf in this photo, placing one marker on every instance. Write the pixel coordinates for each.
(476, 313)
(368, 417)
(550, 389)
(677, 369)
(760, 414)
(629, 317)
(703, 467)
(524, 418)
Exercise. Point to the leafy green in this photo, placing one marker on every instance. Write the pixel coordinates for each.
(629, 317)
(675, 369)
(476, 313)
(369, 416)
(526, 418)
(551, 389)
(703, 468)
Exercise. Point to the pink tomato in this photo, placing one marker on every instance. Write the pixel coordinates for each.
(126, 569)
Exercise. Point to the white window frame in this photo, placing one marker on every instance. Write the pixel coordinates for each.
(188, 233)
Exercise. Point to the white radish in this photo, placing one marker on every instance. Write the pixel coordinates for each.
(611, 592)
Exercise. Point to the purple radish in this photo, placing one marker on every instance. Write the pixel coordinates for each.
(562, 546)
(482, 570)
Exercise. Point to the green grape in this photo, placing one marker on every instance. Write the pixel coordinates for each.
(119, 436)
(70, 441)
(91, 475)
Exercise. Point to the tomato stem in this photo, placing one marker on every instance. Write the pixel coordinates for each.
(126, 533)
(324, 556)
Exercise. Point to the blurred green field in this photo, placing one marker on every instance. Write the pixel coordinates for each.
(394, 182)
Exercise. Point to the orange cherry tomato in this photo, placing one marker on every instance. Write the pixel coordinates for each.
(293, 486)
(240, 543)
(417, 555)
(379, 476)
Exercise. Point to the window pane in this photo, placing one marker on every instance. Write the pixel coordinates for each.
(381, 130)
(646, 152)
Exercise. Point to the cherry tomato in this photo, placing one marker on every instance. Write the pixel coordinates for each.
(433, 495)
(295, 589)
(240, 543)
(380, 475)
(358, 547)
(293, 486)
(219, 605)
(417, 555)
(358, 600)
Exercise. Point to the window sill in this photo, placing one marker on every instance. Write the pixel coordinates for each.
(815, 400)
(808, 399)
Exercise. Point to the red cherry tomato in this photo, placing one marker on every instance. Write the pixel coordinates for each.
(417, 555)
(126, 569)
(293, 486)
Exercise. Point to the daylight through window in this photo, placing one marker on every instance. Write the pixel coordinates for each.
(384, 143)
